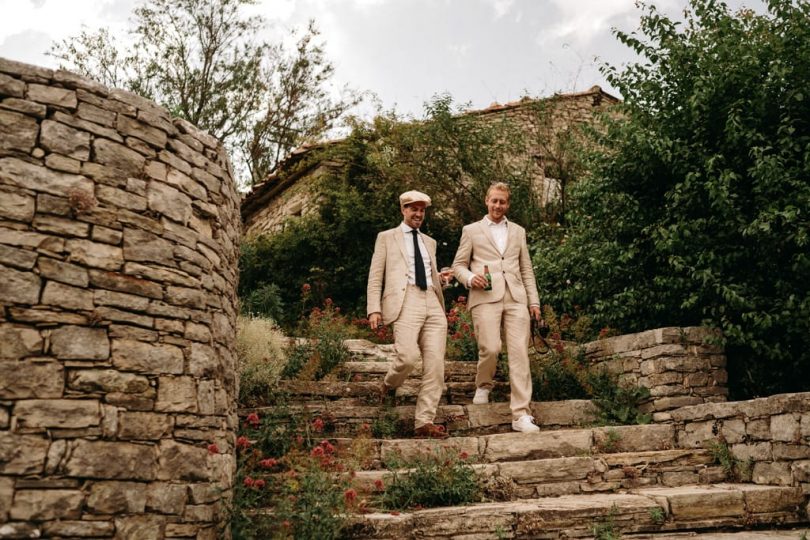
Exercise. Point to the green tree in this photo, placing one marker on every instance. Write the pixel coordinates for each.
(450, 156)
(696, 210)
(205, 61)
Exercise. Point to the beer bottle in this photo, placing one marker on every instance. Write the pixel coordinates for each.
(489, 278)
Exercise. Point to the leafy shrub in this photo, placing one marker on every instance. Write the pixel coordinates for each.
(617, 404)
(734, 468)
(387, 425)
(441, 477)
(461, 344)
(264, 301)
(261, 356)
(303, 483)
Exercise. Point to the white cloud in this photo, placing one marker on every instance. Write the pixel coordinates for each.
(502, 7)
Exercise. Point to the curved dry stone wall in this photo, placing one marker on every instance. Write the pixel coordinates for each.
(119, 231)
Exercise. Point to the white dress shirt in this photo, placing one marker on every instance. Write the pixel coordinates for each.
(499, 233)
(406, 231)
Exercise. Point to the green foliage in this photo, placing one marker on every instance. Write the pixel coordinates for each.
(617, 404)
(206, 62)
(439, 477)
(387, 426)
(735, 469)
(265, 301)
(657, 515)
(260, 351)
(461, 344)
(286, 471)
(454, 158)
(607, 529)
(695, 209)
(298, 355)
(611, 441)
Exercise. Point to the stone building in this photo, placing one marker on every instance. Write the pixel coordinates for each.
(287, 192)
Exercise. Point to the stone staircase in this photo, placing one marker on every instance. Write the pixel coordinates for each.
(572, 480)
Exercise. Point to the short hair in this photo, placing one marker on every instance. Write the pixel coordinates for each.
(500, 186)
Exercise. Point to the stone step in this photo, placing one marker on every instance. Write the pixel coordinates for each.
(646, 510)
(375, 370)
(345, 417)
(583, 474)
(457, 393)
(770, 534)
(513, 446)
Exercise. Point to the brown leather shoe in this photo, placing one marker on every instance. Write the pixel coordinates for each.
(431, 431)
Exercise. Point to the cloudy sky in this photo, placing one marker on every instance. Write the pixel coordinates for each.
(405, 51)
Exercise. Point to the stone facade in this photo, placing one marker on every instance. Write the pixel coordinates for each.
(119, 230)
(770, 437)
(680, 366)
(288, 192)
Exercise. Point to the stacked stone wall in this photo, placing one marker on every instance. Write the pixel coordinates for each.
(680, 366)
(119, 230)
(768, 437)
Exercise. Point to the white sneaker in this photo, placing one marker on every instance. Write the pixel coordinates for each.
(481, 396)
(525, 424)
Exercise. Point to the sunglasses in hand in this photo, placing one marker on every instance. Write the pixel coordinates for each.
(540, 332)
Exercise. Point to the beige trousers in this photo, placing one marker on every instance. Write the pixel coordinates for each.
(420, 333)
(513, 318)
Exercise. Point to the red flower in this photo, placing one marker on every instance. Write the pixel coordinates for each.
(286, 524)
(317, 425)
(213, 448)
(268, 463)
(248, 481)
(259, 484)
(350, 495)
(327, 302)
(327, 446)
(305, 288)
(461, 300)
(464, 455)
(317, 451)
(242, 443)
(379, 484)
(457, 335)
(253, 419)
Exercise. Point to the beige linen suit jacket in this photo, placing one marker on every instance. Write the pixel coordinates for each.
(513, 269)
(388, 274)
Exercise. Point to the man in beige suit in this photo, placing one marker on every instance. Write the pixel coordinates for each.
(500, 245)
(404, 289)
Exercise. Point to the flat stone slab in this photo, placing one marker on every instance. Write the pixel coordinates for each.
(347, 415)
(654, 512)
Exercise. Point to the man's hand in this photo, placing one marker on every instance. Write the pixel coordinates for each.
(374, 320)
(535, 312)
(478, 282)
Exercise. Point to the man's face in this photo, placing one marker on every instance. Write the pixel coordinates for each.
(497, 204)
(414, 214)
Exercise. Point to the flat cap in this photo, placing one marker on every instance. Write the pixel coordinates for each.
(410, 197)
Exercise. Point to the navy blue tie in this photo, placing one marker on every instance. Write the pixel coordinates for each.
(421, 280)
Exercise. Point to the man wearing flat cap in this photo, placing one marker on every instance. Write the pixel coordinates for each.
(404, 289)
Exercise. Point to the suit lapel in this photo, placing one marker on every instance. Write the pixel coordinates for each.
(485, 228)
(399, 237)
(510, 236)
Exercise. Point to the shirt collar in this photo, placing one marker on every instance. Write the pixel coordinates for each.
(493, 224)
(406, 228)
